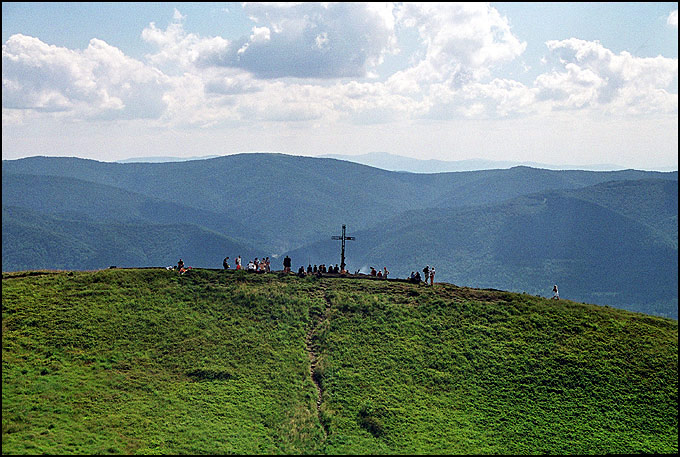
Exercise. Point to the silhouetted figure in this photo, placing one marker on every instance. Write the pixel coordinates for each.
(225, 263)
(286, 265)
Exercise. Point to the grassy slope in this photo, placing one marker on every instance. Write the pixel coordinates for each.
(145, 361)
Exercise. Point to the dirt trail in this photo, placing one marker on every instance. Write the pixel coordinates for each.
(313, 354)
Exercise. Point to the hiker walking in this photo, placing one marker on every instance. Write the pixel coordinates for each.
(426, 270)
(556, 293)
(225, 263)
(431, 276)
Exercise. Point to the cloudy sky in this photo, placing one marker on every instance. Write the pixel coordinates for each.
(557, 83)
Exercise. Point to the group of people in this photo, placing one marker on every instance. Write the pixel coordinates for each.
(323, 269)
(320, 270)
(262, 265)
(180, 267)
(428, 273)
(380, 274)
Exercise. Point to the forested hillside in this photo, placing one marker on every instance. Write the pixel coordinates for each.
(604, 237)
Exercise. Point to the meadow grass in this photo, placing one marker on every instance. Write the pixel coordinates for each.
(144, 361)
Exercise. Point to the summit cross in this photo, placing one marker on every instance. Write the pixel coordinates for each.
(342, 253)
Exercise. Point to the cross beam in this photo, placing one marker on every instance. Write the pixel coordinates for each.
(343, 238)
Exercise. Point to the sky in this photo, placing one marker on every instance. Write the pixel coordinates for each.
(556, 83)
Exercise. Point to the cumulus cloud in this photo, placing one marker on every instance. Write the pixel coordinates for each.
(593, 76)
(333, 49)
(177, 50)
(99, 81)
(309, 40)
(464, 41)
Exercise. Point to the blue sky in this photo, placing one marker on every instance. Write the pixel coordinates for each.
(558, 83)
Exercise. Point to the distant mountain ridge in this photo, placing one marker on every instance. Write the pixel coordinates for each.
(393, 162)
(161, 159)
(273, 204)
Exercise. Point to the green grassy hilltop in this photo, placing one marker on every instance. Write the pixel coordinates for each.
(144, 361)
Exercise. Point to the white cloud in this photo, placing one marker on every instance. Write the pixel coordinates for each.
(178, 51)
(464, 41)
(260, 35)
(593, 76)
(673, 19)
(210, 81)
(97, 82)
(310, 40)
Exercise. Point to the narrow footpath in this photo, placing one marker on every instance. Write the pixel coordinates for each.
(312, 352)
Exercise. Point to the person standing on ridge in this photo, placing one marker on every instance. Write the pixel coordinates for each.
(238, 262)
(431, 276)
(426, 270)
(225, 263)
(286, 265)
(556, 294)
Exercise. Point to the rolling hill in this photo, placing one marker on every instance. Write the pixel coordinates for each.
(297, 200)
(34, 240)
(605, 237)
(617, 251)
(145, 361)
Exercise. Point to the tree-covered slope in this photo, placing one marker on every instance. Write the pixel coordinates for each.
(75, 199)
(604, 237)
(147, 361)
(297, 200)
(37, 241)
(619, 250)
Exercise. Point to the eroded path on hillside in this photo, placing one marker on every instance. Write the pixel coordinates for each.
(314, 355)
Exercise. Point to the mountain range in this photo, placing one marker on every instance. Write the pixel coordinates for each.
(607, 238)
(394, 162)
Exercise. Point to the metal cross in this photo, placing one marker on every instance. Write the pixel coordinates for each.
(343, 238)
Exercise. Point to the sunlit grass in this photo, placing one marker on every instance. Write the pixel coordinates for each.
(146, 361)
